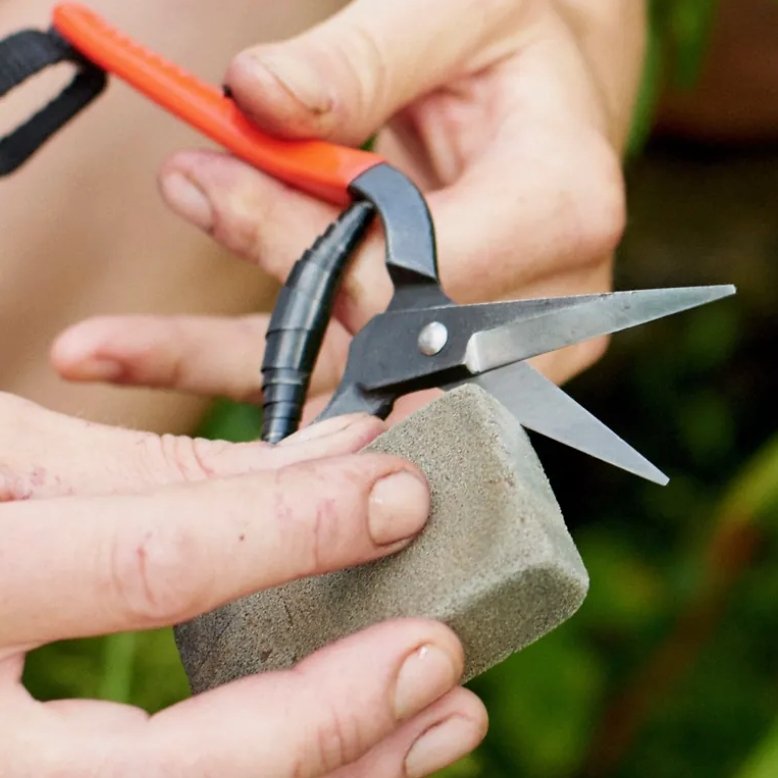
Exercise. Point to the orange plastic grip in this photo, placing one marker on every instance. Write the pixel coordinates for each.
(320, 168)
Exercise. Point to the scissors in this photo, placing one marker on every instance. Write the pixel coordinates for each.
(423, 339)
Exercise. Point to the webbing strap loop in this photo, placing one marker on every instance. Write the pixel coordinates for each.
(24, 54)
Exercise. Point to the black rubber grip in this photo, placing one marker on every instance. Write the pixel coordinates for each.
(21, 56)
(300, 318)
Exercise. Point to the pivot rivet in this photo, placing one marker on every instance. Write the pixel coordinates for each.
(432, 338)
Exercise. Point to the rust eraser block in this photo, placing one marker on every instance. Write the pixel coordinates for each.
(495, 562)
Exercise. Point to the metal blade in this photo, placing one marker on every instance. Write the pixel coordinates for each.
(387, 351)
(541, 406)
(593, 315)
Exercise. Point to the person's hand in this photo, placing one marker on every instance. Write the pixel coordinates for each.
(510, 114)
(108, 529)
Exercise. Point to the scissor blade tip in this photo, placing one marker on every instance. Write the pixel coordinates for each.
(646, 470)
(720, 290)
(640, 466)
(711, 291)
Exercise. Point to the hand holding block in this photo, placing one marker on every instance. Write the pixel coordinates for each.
(495, 562)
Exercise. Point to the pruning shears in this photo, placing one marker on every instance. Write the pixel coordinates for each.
(423, 339)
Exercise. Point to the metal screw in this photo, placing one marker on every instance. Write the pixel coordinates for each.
(432, 338)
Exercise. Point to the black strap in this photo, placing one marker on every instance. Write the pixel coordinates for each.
(21, 56)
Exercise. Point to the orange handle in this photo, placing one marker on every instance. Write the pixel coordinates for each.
(320, 168)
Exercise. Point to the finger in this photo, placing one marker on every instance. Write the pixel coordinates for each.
(337, 704)
(403, 407)
(89, 565)
(46, 454)
(267, 223)
(560, 242)
(567, 254)
(445, 732)
(370, 700)
(343, 78)
(254, 212)
(564, 212)
(566, 233)
(208, 355)
(565, 223)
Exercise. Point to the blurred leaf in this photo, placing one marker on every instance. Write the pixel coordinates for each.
(138, 668)
(706, 426)
(625, 592)
(71, 668)
(690, 24)
(119, 657)
(648, 95)
(684, 26)
(541, 702)
(754, 493)
(710, 336)
(159, 680)
(469, 767)
(763, 763)
(228, 420)
(676, 43)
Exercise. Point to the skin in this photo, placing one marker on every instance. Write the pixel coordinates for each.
(541, 89)
(125, 252)
(544, 91)
(521, 105)
(107, 530)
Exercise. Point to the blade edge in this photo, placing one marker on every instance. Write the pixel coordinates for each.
(590, 318)
(541, 406)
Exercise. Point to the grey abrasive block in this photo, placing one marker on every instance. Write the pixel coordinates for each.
(495, 562)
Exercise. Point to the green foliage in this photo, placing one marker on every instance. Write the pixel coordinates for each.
(236, 422)
(139, 668)
(684, 26)
(763, 763)
(678, 34)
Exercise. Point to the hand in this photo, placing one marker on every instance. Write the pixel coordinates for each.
(108, 529)
(510, 114)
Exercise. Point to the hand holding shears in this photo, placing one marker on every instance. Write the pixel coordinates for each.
(423, 340)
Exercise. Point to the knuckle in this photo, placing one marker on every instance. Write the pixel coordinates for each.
(366, 70)
(183, 457)
(338, 736)
(338, 739)
(600, 213)
(159, 574)
(317, 529)
(236, 226)
(320, 530)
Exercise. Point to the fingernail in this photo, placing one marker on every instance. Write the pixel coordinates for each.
(188, 200)
(96, 369)
(298, 77)
(440, 746)
(426, 675)
(398, 508)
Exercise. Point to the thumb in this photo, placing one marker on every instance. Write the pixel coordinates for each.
(343, 78)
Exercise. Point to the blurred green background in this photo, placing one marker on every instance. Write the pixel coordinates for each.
(670, 668)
